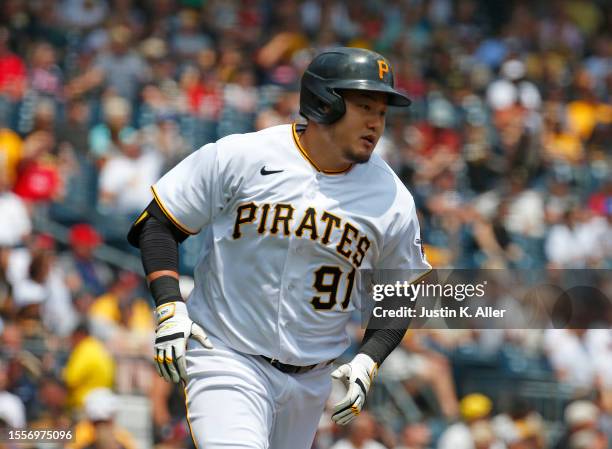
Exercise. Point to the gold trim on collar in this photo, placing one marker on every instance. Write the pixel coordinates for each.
(302, 150)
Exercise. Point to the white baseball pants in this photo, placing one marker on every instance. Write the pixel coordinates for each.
(239, 401)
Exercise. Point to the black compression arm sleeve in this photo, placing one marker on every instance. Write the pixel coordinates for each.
(378, 343)
(159, 251)
(158, 247)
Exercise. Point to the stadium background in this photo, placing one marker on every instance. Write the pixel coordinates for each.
(507, 150)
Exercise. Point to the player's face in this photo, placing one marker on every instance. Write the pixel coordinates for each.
(357, 132)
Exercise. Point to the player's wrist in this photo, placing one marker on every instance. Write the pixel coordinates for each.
(165, 289)
(368, 363)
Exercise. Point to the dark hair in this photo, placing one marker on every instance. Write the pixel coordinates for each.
(81, 328)
(39, 267)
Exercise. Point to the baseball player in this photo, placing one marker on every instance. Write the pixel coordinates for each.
(289, 215)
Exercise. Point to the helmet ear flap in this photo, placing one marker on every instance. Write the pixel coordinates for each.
(337, 108)
(318, 101)
(331, 110)
(323, 106)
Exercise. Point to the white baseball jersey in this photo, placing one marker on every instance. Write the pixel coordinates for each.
(284, 241)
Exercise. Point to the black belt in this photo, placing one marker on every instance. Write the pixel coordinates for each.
(292, 369)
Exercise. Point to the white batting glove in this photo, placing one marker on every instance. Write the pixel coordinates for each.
(357, 377)
(174, 328)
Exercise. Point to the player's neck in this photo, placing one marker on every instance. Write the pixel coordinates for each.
(324, 153)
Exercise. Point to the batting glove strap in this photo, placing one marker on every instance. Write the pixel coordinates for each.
(174, 328)
(170, 309)
(357, 376)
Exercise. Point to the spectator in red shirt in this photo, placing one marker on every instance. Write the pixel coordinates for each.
(203, 96)
(38, 176)
(12, 70)
(438, 132)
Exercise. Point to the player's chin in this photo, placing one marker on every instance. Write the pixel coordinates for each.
(361, 154)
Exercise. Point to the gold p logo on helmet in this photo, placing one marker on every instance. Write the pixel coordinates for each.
(383, 68)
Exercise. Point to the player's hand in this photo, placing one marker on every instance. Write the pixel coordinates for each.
(357, 376)
(174, 327)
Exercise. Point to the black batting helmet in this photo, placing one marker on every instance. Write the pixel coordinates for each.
(344, 68)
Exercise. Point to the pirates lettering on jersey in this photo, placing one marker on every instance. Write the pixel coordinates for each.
(351, 244)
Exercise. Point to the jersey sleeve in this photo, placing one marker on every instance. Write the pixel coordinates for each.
(403, 248)
(195, 190)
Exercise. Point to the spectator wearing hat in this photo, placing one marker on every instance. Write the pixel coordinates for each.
(513, 89)
(475, 411)
(83, 270)
(99, 430)
(581, 418)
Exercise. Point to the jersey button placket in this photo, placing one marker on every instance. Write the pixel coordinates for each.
(313, 188)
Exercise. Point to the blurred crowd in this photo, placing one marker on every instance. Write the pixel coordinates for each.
(507, 150)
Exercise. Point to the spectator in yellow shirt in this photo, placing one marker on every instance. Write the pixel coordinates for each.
(89, 366)
(10, 153)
